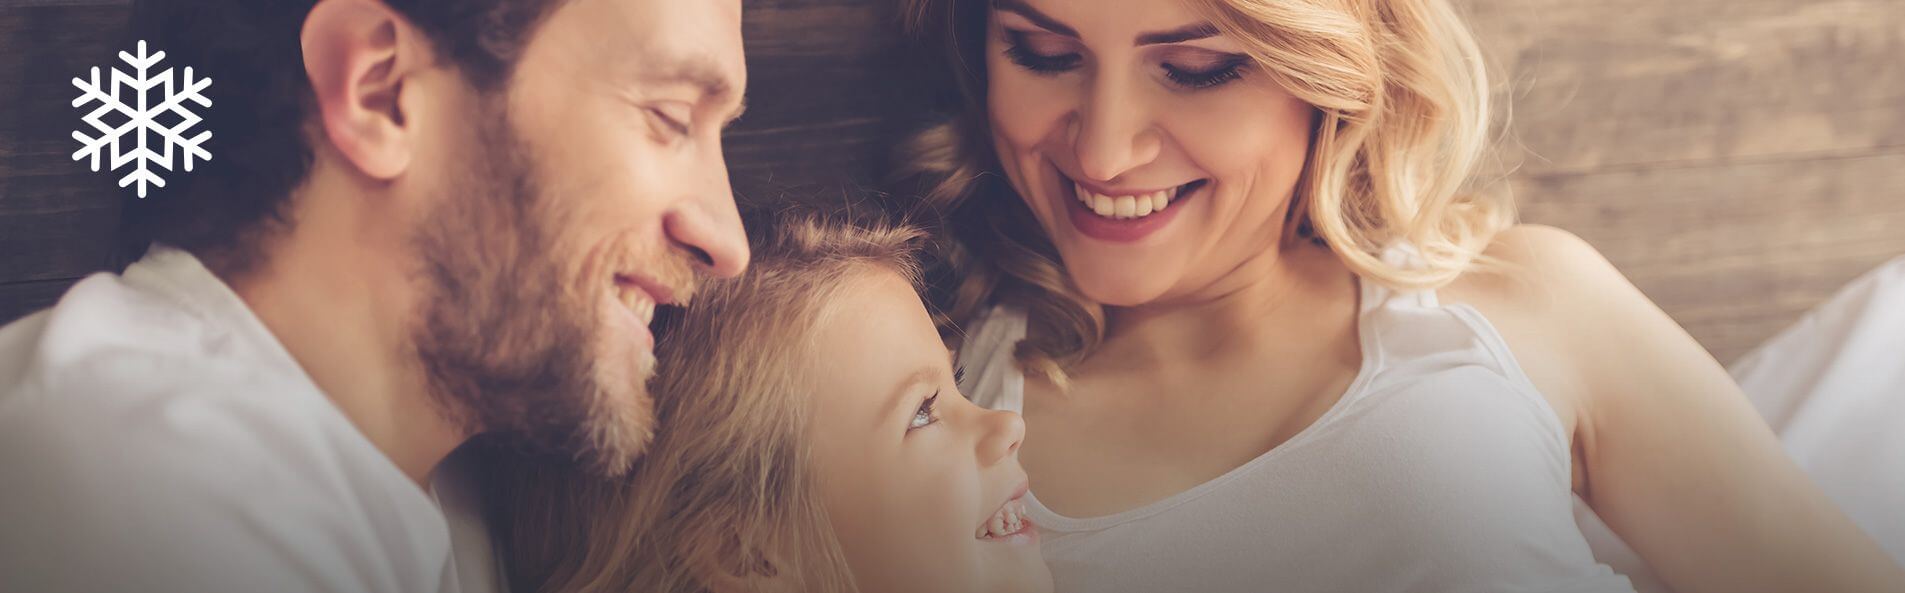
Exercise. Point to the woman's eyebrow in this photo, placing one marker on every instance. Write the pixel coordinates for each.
(1019, 7)
(1179, 35)
(1182, 34)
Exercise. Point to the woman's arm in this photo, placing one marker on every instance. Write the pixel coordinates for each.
(1668, 451)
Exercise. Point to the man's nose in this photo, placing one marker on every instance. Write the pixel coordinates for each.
(708, 227)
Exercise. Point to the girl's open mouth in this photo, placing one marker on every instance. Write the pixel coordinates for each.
(1008, 524)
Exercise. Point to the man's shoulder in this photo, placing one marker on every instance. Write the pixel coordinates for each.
(107, 355)
(117, 392)
(137, 438)
(142, 332)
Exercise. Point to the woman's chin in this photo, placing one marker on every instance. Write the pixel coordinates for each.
(1120, 284)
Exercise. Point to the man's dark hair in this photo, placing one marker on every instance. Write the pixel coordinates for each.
(261, 100)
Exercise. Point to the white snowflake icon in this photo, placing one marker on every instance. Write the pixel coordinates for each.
(143, 118)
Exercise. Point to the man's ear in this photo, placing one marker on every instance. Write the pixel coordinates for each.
(359, 54)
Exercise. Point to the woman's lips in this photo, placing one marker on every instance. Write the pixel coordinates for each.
(1105, 215)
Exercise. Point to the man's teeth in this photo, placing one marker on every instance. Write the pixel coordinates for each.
(639, 304)
(1134, 206)
(1009, 520)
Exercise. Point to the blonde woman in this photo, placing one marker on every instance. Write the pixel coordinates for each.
(813, 440)
(1221, 255)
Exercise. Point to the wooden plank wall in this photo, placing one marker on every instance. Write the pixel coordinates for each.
(1739, 159)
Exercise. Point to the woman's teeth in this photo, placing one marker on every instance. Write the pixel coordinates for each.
(1009, 520)
(1133, 206)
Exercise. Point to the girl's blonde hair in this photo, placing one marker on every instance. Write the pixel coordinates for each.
(1402, 102)
(723, 499)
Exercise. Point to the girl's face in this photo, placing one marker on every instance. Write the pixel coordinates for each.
(923, 487)
(1155, 154)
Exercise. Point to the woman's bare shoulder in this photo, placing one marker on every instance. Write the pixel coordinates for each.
(1571, 319)
(1536, 270)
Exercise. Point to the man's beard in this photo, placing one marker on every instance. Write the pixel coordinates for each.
(508, 344)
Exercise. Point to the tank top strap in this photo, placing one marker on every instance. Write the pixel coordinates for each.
(1374, 295)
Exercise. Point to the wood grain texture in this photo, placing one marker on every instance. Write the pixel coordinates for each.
(1620, 83)
(1738, 159)
(1734, 251)
(26, 297)
(55, 216)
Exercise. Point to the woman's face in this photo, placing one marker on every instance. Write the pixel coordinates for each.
(1103, 111)
(923, 487)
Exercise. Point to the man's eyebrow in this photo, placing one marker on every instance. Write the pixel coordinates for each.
(740, 108)
(1179, 35)
(1046, 22)
(700, 70)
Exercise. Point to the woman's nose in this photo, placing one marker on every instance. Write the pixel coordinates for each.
(1112, 132)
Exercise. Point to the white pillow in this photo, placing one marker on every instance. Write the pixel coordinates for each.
(1833, 387)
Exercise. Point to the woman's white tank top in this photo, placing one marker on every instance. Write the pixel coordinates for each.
(1441, 469)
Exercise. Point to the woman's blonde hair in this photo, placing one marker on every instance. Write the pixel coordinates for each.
(723, 500)
(1402, 102)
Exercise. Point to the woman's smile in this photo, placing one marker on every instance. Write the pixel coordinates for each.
(1122, 215)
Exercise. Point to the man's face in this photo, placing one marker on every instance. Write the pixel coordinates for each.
(588, 191)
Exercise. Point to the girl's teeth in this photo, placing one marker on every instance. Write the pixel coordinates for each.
(1009, 520)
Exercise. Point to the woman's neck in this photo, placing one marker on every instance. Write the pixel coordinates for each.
(1286, 290)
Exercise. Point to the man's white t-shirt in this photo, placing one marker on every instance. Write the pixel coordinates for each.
(155, 437)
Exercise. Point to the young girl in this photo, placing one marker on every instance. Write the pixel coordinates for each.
(812, 439)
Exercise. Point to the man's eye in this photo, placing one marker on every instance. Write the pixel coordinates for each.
(675, 119)
(924, 416)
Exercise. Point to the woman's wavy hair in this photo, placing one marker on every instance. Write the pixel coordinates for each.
(724, 499)
(1403, 119)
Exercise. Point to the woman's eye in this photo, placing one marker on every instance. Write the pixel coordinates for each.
(1021, 53)
(1196, 79)
(924, 416)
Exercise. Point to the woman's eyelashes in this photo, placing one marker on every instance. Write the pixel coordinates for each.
(1228, 70)
(1021, 52)
(925, 415)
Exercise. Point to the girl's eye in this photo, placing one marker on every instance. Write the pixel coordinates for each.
(1022, 54)
(1197, 79)
(924, 416)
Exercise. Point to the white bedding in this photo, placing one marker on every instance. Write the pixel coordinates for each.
(1833, 387)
